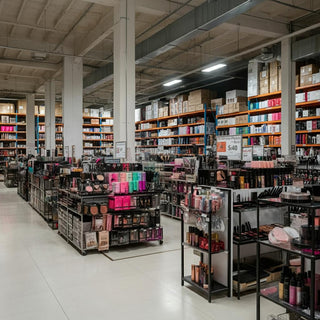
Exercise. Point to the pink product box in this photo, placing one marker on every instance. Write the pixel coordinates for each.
(142, 185)
(116, 187)
(115, 203)
(126, 202)
(144, 176)
(124, 187)
(123, 177)
(276, 116)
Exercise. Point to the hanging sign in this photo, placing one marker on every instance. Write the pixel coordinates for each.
(229, 146)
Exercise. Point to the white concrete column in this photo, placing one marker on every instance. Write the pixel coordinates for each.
(30, 125)
(124, 75)
(288, 100)
(72, 104)
(50, 121)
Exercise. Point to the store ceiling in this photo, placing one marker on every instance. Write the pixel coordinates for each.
(35, 35)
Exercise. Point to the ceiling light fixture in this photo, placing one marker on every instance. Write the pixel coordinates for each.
(215, 67)
(171, 83)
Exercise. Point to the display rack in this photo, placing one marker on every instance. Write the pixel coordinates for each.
(184, 144)
(11, 176)
(42, 198)
(311, 254)
(223, 262)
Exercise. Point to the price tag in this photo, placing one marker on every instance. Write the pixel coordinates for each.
(230, 146)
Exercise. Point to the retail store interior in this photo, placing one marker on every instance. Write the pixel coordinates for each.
(160, 159)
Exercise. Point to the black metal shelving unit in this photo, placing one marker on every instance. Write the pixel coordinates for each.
(288, 249)
(213, 286)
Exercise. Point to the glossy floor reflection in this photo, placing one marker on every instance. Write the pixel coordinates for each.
(43, 278)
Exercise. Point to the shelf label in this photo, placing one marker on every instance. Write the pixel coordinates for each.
(247, 154)
(257, 151)
(230, 146)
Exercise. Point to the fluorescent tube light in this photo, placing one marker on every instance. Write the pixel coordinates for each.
(171, 83)
(215, 67)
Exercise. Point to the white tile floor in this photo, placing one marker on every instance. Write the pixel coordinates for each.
(43, 278)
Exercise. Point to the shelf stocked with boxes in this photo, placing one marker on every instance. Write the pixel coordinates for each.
(181, 125)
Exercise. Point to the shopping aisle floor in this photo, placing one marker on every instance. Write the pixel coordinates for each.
(43, 278)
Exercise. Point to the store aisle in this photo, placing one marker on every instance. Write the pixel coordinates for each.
(43, 278)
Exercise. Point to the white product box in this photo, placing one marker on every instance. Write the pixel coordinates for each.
(137, 115)
(300, 97)
(305, 113)
(316, 78)
(314, 95)
(309, 125)
(263, 104)
(233, 94)
(318, 111)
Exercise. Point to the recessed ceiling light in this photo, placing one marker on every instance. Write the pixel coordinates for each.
(215, 67)
(171, 83)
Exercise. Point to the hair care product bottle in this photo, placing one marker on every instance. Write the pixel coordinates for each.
(286, 285)
(299, 291)
(293, 291)
(281, 285)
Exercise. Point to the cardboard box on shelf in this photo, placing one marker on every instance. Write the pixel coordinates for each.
(192, 108)
(305, 80)
(165, 111)
(264, 86)
(217, 102)
(86, 112)
(137, 115)
(239, 107)
(185, 106)
(264, 74)
(274, 83)
(274, 68)
(36, 110)
(308, 70)
(297, 81)
(254, 68)
(199, 96)
(58, 109)
(199, 107)
(95, 121)
(7, 108)
(22, 106)
(316, 78)
(233, 96)
(42, 110)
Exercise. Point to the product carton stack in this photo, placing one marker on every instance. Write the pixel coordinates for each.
(254, 68)
(182, 103)
(22, 106)
(236, 101)
(275, 76)
(163, 112)
(58, 110)
(264, 79)
(309, 74)
(217, 103)
(7, 108)
(198, 98)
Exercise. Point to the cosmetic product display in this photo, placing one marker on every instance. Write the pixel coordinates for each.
(297, 289)
(114, 203)
(208, 215)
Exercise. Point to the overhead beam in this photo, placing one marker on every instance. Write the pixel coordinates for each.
(199, 20)
(154, 7)
(43, 11)
(16, 75)
(30, 64)
(103, 29)
(258, 26)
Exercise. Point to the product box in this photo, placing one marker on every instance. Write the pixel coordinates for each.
(42, 110)
(313, 95)
(309, 125)
(22, 106)
(234, 96)
(199, 96)
(274, 83)
(305, 80)
(308, 70)
(297, 81)
(301, 97)
(305, 113)
(192, 108)
(254, 68)
(218, 102)
(199, 107)
(316, 78)
(94, 121)
(227, 108)
(264, 86)
(239, 107)
(185, 106)
(36, 110)
(274, 68)
(264, 74)
(137, 115)
(58, 109)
